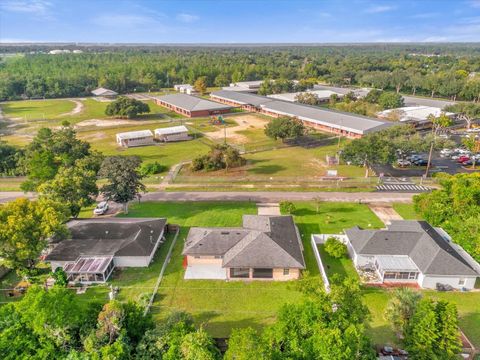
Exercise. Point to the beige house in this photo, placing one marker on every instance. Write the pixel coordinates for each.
(264, 248)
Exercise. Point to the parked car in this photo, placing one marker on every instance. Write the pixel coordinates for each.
(415, 157)
(446, 151)
(467, 163)
(463, 158)
(421, 162)
(403, 162)
(101, 208)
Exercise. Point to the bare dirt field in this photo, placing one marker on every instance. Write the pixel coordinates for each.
(110, 122)
(245, 122)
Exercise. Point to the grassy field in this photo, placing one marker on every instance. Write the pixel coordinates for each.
(36, 109)
(406, 211)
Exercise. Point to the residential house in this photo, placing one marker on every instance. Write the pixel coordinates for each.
(264, 248)
(95, 247)
(412, 252)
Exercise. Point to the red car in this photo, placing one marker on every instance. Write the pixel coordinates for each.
(463, 158)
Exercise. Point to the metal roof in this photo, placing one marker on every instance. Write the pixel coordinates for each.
(241, 98)
(103, 92)
(336, 119)
(171, 130)
(135, 134)
(340, 120)
(88, 265)
(191, 103)
(396, 263)
(415, 113)
(420, 101)
(321, 94)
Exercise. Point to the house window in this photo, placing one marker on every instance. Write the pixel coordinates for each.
(461, 282)
(197, 257)
(286, 271)
(218, 256)
(261, 273)
(239, 273)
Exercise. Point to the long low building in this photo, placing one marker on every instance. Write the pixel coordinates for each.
(135, 138)
(191, 106)
(415, 115)
(322, 95)
(347, 124)
(173, 133)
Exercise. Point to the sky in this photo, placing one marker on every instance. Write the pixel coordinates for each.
(235, 21)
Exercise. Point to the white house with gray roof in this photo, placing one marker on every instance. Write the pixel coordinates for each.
(96, 246)
(264, 248)
(413, 252)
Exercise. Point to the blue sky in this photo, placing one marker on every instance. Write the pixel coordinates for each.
(232, 21)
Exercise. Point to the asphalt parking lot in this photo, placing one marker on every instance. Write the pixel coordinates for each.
(439, 164)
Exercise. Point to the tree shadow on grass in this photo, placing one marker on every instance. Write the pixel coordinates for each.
(222, 328)
(267, 169)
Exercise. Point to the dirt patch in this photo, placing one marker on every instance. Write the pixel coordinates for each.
(385, 212)
(110, 122)
(245, 122)
(78, 108)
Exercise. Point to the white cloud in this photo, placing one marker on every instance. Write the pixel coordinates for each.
(425, 15)
(123, 20)
(40, 7)
(380, 9)
(187, 18)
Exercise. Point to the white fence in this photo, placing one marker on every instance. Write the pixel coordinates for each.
(320, 239)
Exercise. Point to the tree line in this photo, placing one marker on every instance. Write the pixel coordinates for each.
(450, 74)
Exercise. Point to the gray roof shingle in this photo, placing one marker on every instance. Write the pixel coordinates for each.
(263, 241)
(430, 252)
(109, 236)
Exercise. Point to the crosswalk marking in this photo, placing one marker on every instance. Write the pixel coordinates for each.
(403, 187)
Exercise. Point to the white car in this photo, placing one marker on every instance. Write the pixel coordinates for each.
(403, 162)
(446, 151)
(101, 208)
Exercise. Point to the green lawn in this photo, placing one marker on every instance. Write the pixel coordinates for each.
(299, 162)
(343, 266)
(406, 211)
(218, 305)
(36, 109)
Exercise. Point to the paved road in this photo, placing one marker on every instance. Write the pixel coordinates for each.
(257, 196)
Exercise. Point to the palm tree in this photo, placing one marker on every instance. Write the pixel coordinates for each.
(400, 308)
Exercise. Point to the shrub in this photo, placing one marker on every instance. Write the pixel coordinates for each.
(335, 248)
(152, 168)
(287, 207)
(220, 157)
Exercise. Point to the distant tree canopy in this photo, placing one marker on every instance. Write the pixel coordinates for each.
(220, 157)
(125, 107)
(284, 128)
(129, 69)
(10, 157)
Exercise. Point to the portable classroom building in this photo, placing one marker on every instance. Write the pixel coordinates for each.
(174, 133)
(135, 138)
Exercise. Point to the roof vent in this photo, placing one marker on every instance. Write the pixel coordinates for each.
(106, 232)
(225, 233)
